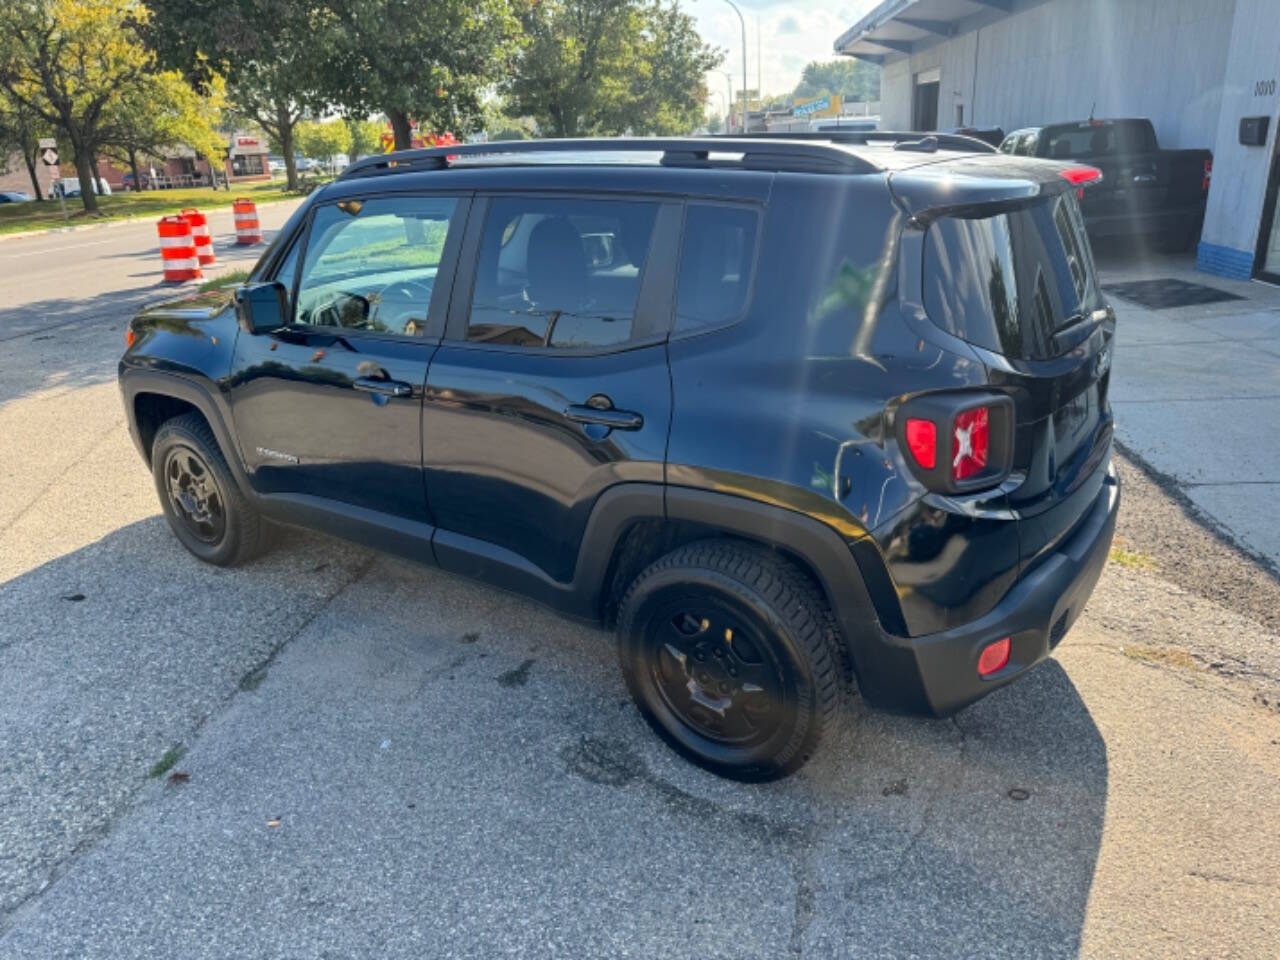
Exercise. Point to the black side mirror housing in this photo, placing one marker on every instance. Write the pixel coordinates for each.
(262, 307)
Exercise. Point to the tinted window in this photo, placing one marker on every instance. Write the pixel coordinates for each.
(1009, 282)
(1027, 144)
(715, 265)
(371, 264)
(1100, 138)
(560, 272)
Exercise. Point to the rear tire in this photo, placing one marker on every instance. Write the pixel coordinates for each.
(729, 652)
(201, 502)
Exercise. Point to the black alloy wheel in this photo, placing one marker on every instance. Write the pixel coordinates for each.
(729, 652)
(194, 495)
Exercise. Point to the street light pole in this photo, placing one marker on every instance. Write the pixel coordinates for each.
(729, 78)
(743, 24)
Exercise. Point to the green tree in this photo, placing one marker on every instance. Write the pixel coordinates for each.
(608, 66)
(851, 79)
(714, 123)
(160, 112)
(68, 62)
(270, 51)
(668, 89)
(431, 62)
(366, 137)
(20, 132)
(323, 139)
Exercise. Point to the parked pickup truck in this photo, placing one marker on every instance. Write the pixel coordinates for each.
(1145, 191)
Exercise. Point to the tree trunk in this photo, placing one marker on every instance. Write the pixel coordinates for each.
(133, 165)
(284, 134)
(84, 171)
(97, 179)
(32, 173)
(400, 129)
(290, 161)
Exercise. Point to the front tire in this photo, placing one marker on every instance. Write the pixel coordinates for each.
(201, 502)
(729, 653)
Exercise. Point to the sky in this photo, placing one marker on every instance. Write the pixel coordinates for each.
(791, 33)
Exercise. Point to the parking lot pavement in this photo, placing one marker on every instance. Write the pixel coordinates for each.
(1195, 388)
(377, 759)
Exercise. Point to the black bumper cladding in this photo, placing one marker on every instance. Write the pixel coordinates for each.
(1036, 614)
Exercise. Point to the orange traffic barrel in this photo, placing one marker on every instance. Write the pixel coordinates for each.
(178, 250)
(200, 236)
(248, 231)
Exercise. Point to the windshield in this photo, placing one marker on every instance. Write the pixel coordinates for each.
(1011, 281)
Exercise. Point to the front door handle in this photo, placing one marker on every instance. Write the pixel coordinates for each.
(605, 417)
(386, 388)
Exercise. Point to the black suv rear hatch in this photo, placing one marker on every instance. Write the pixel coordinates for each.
(1008, 269)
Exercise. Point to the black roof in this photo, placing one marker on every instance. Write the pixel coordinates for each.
(849, 152)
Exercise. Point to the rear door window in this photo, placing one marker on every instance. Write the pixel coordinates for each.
(716, 258)
(560, 272)
(1010, 282)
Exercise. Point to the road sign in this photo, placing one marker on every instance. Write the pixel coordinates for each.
(50, 157)
(46, 143)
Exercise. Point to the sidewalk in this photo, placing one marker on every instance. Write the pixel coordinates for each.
(1196, 391)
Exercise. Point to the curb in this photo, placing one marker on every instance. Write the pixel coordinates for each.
(124, 221)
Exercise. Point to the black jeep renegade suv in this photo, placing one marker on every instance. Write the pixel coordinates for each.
(788, 412)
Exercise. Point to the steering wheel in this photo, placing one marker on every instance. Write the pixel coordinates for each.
(340, 310)
(412, 294)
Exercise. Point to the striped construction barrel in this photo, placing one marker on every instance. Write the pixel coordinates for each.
(248, 231)
(178, 250)
(200, 236)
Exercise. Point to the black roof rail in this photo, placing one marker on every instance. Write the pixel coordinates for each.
(943, 141)
(757, 153)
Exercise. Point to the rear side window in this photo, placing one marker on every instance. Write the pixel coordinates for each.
(561, 272)
(1009, 282)
(715, 265)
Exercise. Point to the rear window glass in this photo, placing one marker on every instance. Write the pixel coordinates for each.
(1099, 139)
(715, 265)
(1009, 282)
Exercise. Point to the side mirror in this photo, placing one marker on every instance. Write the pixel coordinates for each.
(262, 307)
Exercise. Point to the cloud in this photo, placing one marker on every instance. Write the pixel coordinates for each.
(787, 35)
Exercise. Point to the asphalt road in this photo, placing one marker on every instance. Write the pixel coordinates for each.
(382, 760)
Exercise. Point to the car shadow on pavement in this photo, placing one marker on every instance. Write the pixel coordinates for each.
(457, 762)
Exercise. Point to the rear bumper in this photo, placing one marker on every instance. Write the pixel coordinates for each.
(938, 673)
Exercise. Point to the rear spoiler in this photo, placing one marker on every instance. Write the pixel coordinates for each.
(983, 185)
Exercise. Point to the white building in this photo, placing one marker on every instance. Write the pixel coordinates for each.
(1196, 68)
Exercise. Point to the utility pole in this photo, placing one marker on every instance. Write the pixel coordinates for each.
(729, 77)
(742, 23)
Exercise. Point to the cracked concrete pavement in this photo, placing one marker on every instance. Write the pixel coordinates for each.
(385, 760)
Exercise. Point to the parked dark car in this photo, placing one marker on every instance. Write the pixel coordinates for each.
(779, 410)
(1159, 195)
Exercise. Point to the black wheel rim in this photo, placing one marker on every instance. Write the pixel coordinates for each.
(716, 673)
(194, 495)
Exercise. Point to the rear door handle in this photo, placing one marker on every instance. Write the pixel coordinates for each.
(387, 388)
(608, 417)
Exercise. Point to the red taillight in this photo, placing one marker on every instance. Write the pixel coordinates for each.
(1208, 173)
(994, 657)
(1080, 175)
(972, 441)
(922, 441)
